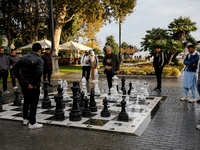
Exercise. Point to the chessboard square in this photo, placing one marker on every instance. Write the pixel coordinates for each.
(50, 112)
(8, 107)
(76, 123)
(97, 122)
(19, 115)
(130, 119)
(9, 113)
(98, 116)
(115, 124)
(56, 120)
(42, 116)
(138, 110)
(17, 109)
(18, 118)
(91, 116)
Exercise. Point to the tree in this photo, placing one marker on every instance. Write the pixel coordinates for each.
(110, 41)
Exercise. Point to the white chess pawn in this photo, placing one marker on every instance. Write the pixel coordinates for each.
(41, 95)
(111, 96)
(65, 94)
(146, 85)
(83, 83)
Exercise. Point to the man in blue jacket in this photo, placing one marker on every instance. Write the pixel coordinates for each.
(190, 77)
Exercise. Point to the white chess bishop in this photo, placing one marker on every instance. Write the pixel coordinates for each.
(65, 94)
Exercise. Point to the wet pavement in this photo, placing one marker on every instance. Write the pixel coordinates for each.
(173, 126)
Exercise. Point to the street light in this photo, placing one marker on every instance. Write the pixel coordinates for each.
(92, 39)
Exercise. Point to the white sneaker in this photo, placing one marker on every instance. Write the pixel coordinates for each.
(198, 126)
(35, 126)
(192, 100)
(14, 88)
(25, 122)
(93, 81)
(6, 92)
(184, 99)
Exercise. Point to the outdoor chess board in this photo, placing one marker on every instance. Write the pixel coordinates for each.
(139, 115)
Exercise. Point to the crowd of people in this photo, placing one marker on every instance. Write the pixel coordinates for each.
(29, 69)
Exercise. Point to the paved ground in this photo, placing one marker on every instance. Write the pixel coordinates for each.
(173, 127)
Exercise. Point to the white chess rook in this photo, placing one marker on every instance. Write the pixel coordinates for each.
(96, 89)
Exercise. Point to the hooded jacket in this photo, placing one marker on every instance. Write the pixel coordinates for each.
(189, 60)
(4, 63)
(13, 60)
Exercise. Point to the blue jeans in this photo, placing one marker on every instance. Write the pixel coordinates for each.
(187, 90)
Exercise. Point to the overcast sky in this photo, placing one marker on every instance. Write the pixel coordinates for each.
(150, 14)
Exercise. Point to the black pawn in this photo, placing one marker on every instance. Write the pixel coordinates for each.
(93, 106)
(105, 112)
(86, 111)
(1, 97)
(81, 103)
(123, 85)
(59, 113)
(123, 115)
(46, 103)
(17, 101)
(60, 93)
(75, 114)
(130, 87)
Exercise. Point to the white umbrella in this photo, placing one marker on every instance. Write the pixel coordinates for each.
(75, 46)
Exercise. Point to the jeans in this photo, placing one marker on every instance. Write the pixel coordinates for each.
(86, 69)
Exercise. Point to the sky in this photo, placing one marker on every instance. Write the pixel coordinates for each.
(150, 14)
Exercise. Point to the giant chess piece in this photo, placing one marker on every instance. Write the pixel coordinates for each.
(92, 106)
(60, 94)
(81, 103)
(65, 94)
(17, 101)
(115, 83)
(134, 91)
(84, 89)
(79, 91)
(111, 97)
(60, 81)
(142, 96)
(75, 114)
(123, 85)
(130, 88)
(105, 112)
(123, 114)
(1, 97)
(59, 113)
(86, 111)
(46, 103)
(146, 85)
(41, 95)
(96, 81)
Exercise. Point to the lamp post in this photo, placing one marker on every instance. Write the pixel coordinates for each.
(53, 50)
(92, 39)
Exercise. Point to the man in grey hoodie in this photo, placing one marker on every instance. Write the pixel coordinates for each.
(4, 66)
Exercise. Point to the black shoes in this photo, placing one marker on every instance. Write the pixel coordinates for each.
(157, 89)
(50, 85)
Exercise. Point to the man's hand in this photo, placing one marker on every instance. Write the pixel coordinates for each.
(106, 67)
(192, 65)
(10, 67)
(117, 72)
(31, 86)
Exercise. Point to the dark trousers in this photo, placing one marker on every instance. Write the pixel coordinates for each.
(86, 69)
(4, 75)
(13, 82)
(158, 76)
(109, 76)
(48, 73)
(31, 97)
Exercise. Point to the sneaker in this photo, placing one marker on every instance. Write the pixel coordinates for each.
(198, 126)
(191, 100)
(50, 85)
(159, 90)
(35, 126)
(14, 88)
(184, 99)
(93, 81)
(6, 92)
(25, 122)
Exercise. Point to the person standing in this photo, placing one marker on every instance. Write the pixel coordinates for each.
(47, 58)
(4, 66)
(86, 65)
(94, 64)
(111, 65)
(158, 63)
(190, 77)
(13, 59)
(29, 71)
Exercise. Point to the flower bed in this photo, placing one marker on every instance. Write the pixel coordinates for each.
(128, 60)
(148, 69)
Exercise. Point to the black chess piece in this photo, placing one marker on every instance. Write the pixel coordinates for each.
(1, 97)
(123, 85)
(60, 93)
(92, 106)
(79, 91)
(75, 114)
(81, 103)
(123, 114)
(17, 101)
(59, 113)
(46, 103)
(105, 112)
(86, 111)
(130, 88)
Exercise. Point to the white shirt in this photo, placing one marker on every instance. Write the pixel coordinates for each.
(83, 59)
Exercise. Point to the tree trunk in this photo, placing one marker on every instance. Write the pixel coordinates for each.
(171, 57)
(31, 24)
(58, 28)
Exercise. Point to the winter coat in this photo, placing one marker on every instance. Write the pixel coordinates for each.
(114, 61)
(4, 63)
(189, 60)
(13, 60)
(47, 58)
(31, 66)
(161, 60)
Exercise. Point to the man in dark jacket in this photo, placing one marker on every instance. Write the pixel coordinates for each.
(13, 59)
(47, 58)
(111, 64)
(29, 70)
(4, 66)
(158, 63)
